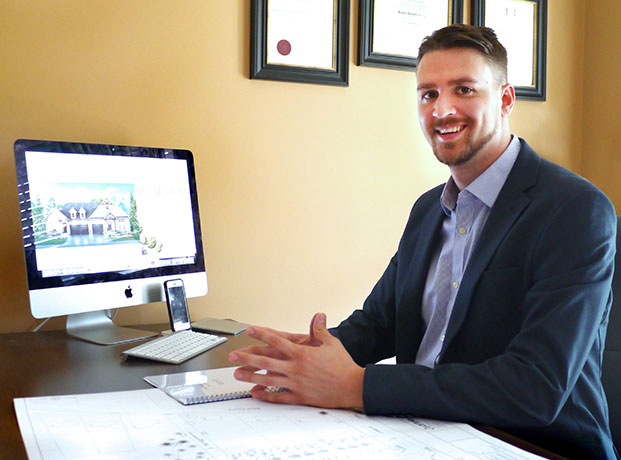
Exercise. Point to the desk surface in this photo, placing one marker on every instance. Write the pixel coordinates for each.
(52, 363)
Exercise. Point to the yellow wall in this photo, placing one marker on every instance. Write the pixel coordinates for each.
(601, 158)
(304, 189)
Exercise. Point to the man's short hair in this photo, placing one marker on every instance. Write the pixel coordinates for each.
(482, 39)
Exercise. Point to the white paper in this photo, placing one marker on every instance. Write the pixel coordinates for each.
(301, 33)
(146, 424)
(399, 26)
(514, 24)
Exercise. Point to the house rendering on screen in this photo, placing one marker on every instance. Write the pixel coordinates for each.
(91, 218)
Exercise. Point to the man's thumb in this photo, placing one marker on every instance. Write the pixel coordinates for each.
(319, 325)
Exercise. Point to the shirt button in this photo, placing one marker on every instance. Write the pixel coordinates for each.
(462, 230)
(442, 338)
(455, 284)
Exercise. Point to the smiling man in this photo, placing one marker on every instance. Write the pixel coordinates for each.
(496, 302)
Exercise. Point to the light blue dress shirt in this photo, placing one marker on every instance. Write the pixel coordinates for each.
(466, 214)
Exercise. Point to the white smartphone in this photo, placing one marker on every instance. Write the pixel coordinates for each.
(177, 304)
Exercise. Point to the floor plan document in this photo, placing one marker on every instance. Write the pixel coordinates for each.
(147, 424)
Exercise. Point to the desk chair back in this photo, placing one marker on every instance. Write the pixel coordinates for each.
(611, 373)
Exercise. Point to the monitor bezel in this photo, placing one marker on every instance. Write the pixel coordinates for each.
(35, 279)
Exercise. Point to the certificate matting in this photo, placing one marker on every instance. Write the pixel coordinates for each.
(303, 41)
(390, 31)
(521, 27)
(302, 33)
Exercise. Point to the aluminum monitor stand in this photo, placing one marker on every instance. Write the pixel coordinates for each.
(97, 327)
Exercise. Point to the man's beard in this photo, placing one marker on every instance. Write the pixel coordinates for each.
(470, 150)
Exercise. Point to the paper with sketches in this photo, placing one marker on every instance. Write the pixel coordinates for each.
(147, 424)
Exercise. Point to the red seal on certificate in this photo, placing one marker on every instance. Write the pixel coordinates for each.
(283, 47)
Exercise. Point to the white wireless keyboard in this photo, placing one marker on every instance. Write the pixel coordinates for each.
(177, 347)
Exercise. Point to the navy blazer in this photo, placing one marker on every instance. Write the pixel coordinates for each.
(524, 344)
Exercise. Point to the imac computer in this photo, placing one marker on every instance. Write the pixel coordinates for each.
(103, 227)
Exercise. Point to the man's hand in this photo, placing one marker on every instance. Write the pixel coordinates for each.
(315, 368)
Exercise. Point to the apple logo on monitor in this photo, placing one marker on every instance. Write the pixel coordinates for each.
(128, 292)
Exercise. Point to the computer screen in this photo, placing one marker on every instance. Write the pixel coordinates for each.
(104, 226)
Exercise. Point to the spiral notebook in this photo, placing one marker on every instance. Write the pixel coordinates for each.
(196, 387)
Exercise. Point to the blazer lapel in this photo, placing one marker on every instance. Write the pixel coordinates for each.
(410, 326)
(509, 205)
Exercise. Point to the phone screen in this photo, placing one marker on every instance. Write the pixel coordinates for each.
(177, 305)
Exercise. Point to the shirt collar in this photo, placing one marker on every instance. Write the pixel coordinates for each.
(487, 186)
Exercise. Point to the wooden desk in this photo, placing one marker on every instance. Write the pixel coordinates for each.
(52, 363)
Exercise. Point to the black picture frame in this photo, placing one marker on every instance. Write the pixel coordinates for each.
(366, 55)
(537, 90)
(261, 69)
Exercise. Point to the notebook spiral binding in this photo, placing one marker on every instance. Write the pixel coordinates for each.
(216, 398)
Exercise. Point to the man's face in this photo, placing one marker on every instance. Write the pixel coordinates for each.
(459, 105)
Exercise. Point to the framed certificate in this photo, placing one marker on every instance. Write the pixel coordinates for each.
(304, 41)
(521, 26)
(390, 31)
